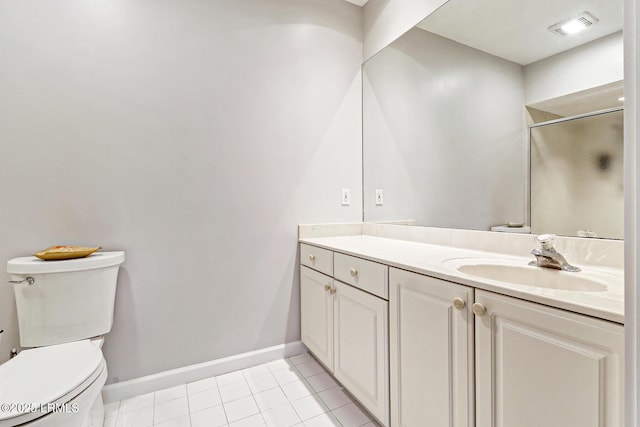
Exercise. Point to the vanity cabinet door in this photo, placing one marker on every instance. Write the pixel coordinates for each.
(540, 366)
(316, 310)
(431, 332)
(361, 348)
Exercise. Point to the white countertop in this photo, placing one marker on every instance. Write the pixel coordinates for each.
(438, 261)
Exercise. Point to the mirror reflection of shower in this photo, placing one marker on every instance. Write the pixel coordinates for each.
(576, 183)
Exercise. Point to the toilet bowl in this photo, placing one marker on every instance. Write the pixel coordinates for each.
(54, 386)
(62, 307)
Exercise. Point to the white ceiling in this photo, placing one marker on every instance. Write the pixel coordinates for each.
(358, 2)
(517, 29)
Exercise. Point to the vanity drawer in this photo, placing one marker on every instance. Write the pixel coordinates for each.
(317, 258)
(366, 275)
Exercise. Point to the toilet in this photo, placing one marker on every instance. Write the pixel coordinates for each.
(64, 309)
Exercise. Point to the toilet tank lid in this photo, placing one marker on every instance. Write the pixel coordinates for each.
(33, 265)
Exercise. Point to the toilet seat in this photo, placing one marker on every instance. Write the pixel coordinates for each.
(41, 379)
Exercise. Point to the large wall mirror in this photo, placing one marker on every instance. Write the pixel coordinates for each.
(493, 112)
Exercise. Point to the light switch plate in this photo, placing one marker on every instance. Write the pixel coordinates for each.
(346, 197)
(379, 198)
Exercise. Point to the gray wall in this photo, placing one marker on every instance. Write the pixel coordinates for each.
(194, 135)
(443, 134)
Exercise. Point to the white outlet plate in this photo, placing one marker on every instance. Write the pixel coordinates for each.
(379, 197)
(346, 197)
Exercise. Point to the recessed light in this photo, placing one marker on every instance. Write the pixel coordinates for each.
(621, 99)
(574, 25)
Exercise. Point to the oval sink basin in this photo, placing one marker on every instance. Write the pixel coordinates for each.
(531, 276)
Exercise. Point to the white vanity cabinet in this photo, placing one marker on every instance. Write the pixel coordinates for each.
(346, 328)
(534, 365)
(316, 308)
(457, 356)
(541, 366)
(361, 342)
(431, 346)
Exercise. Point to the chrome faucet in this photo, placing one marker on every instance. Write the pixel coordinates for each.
(547, 256)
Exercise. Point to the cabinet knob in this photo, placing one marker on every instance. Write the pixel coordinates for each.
(327, 287)
(478, 309)
(459, 303)
(353, 272)
(333, 290)
(312, 257)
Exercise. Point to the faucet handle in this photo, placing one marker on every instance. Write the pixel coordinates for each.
(546, 240)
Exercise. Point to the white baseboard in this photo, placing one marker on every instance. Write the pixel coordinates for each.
(200, 371)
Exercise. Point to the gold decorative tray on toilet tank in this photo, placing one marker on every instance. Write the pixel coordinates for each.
(65, 252)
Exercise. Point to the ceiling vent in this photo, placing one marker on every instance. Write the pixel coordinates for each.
(574, 25)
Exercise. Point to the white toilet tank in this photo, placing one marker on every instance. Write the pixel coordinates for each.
(69, 300)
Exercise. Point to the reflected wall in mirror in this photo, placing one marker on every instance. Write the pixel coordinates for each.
(577, 176)
(445, 124)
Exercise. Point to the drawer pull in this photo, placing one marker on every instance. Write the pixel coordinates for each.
(353, 272)
(459, 303)
(312, 257)
(478, 309)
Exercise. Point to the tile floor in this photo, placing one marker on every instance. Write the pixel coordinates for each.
(288, 392)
